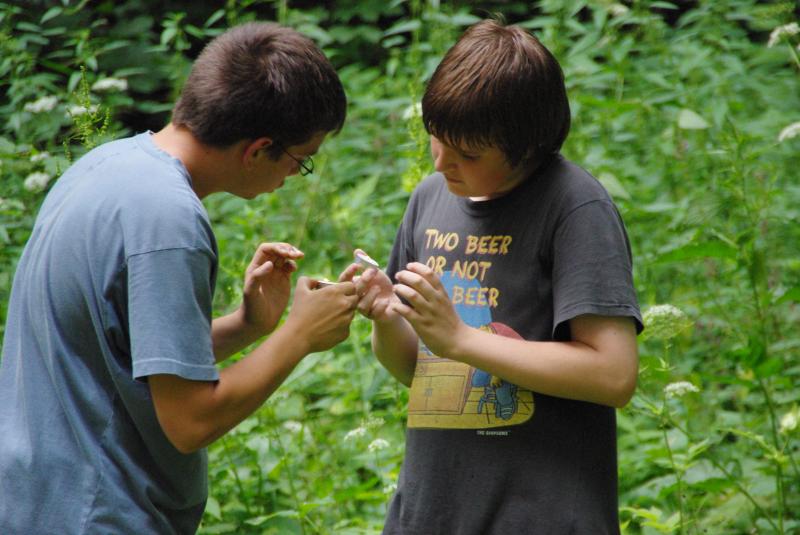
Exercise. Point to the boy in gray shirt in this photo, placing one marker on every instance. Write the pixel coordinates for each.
(507, 306)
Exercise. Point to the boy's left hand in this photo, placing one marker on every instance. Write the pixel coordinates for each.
(431, 313)
(267, 285)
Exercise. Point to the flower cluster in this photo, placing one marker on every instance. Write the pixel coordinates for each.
(358, 432)
(665, 321)
(791, 420)
(680, 388)
(36, 181)
(74, 111)
(618, 10)
(293, 426)
(110, 84)
(778, 33)
(789, 132)
(377, 445)
(41, 105)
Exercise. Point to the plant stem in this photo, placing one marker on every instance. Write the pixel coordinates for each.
(778, 470)
(239, 486)
(678, 473)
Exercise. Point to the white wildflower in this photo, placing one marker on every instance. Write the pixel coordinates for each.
(789, 132)
(356, 433)
(377, 445)
(390, 488)
(787, 29)
(617, 10)
(676, 390)
(664, 321)
(414, 110)
(76, 110)
(790, 421)
(372, 422)
(110, 84)
(292, 426)
(36, 181)
(39, 156)
(41, 105)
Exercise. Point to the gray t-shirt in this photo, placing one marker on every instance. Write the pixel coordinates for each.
(115, 284)
(484, 456)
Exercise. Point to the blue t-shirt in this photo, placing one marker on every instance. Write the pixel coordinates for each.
(114, 285)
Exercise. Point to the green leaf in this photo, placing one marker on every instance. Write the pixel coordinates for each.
(689, 120)
(212, 508)
(403, 27)
(614, 186)
(259, 520)
(218, 14)
(697, 251)
(28, 27)
(51, 13)
(792, 295)
(770, 367)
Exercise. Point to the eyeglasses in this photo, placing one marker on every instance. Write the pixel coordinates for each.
(306, 164)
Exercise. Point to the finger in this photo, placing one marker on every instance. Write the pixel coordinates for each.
(411, 296)
(425, 272)
(349, 272)
(266, 251)
(289, 266)
(347, 288)
(406, 312)
(364, 282)
(305, 284)
(263, 269)
(366, 304)
(416, 281)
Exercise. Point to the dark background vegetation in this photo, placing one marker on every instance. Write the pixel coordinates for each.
(683, 111)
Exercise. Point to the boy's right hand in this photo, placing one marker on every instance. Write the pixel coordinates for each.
(322, 316)
(376, 293)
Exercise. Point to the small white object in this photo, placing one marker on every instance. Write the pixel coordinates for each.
(366, 261)
(325, 282)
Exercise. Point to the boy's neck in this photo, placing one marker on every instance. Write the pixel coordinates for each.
(520, 174)
(208, 166)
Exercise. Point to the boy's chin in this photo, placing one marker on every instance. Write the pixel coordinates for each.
(457, 188)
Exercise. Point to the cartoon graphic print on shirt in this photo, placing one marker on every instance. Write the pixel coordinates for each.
(449, 394)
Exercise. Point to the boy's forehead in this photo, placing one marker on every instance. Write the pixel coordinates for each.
(312, 145)
(466, 145)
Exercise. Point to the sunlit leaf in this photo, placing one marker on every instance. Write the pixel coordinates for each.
(690, 120)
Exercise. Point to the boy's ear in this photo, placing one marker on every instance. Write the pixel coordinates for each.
(251, 149)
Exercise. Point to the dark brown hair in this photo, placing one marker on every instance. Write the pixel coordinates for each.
(498, 85)
(261, 79)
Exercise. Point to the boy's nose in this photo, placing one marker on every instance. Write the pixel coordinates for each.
(442, 160)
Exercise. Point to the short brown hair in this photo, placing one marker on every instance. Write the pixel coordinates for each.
(261, 79)
(498, 85)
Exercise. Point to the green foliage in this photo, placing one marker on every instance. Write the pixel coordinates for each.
(688, 113)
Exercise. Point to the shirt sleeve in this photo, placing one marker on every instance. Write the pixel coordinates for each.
(592, 267)
(403, 247)
(169, 312)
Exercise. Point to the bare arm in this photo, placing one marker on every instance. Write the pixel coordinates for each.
(394, 341)
(195, 413)
(600, 364)
(267, 285)
(395, 344)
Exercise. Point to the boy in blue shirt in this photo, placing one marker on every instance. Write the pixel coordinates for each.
(109, 389)
(507, 306)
